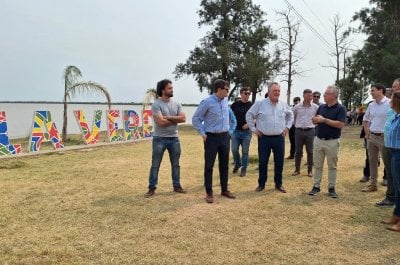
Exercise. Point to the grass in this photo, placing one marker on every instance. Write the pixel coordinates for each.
(87, 207)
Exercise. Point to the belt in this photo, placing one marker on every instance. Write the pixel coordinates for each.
(326, 139)
(377, 134)
(277, 135)
(216, 134)
(304, 129)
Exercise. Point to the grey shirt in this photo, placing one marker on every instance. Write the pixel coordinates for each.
(170, 108)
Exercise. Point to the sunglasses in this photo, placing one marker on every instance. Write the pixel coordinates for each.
(316, 96)
(246, 93)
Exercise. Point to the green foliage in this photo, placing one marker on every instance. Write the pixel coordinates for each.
(235, 48)
(379, 59)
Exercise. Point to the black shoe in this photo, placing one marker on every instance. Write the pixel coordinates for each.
(150, 193)
(332, 193)
(235, 169)
(385, 203)
(314, 191)
(243, 172)
(364, 179)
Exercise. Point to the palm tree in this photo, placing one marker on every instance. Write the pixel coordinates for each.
(72, 86)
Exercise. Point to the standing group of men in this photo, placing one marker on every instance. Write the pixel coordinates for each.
(269, 119)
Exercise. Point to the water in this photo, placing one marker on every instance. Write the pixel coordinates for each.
(20, 115)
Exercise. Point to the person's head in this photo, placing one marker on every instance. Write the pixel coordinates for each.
(396, 85)
(245, 94)
(274, 91)
(221, 88)
(331, 95)
(165, 88)
(395, 103)
(296, 100)
(378, 91)
(307, 95)
(316, 97)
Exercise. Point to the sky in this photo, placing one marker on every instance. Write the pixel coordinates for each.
(129, 45)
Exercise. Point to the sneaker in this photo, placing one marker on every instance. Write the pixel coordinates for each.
(150, 193)
(243, 172)
(179, 190)
(364, 179)
(235, 168)
(385, 203)
(370, 188)
(314, 191)
(384, 182)
(332, 193)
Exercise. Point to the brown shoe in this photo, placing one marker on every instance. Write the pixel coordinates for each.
(150, 193)
(228, 194)
(370, 188)
(179, 190)
(258, 189)
(392, 221)
(281, 189)
(209, 198)
(296, 173)
(310, 174)
(395, 227)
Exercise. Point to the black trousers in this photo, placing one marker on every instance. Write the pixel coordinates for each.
(216, 144)
(292, 139)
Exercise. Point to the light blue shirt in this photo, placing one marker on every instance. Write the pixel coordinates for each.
(212, 116)
(393, 137)
(390, 115)
(232, 121)
(269, 118)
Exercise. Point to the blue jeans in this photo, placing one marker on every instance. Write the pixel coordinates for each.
(265, 145)
(173, 146)
(241, 138)
(396, 179)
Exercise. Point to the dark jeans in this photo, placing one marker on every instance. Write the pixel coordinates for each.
(304, 137)
(174, 149)
(396, 179)
(265, 145)
(292, 140)
(216, 144)
(387, 158)
(242, 138)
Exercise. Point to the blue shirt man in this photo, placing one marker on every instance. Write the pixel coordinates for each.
(211, 120)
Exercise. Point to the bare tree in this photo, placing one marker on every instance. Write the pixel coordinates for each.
(288, 40)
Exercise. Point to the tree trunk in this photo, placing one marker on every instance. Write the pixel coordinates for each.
(65, 121)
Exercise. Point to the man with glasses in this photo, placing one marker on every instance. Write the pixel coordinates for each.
(330, 118)
(316, 97)
(166, 114)
(211, 120)
(270, 119)
(242, 134)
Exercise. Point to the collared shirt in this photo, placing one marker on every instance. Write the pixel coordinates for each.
(376, 115)
(212, 115)
(391, 114)
(269, 118)
(303, 115)
(393, 137)
(335, 112)
(232, 121)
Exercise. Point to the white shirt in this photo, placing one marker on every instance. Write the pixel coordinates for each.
(376, 114)
(269, 118)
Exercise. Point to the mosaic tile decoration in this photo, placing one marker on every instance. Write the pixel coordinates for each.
(90, 136)
(147, 114)
(44, 130)
(131, 125)
(112, 126)
(5, 147)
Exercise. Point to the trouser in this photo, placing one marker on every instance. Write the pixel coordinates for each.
(304, 137)
(330, 150)
(216, 144)
(375, 146)
(265, 145)
(292, 140)
(387, 160)
(242, 138)
(396, 179)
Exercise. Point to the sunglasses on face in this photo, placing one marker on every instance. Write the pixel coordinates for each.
(246, 93)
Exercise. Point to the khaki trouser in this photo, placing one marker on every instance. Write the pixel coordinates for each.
(375, 146)
(330, 150)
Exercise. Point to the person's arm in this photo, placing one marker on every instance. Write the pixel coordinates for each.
(288, 119)
(251, 119)
(177, 119)
(198, 118)
(366, 122)
(232, 121)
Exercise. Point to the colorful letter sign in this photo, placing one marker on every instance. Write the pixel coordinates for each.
(112, 126)
(44, 129)
(5, 147)
(93, 136)
(131, 125)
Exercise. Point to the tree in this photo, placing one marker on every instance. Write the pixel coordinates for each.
(235, 48)
(379, 58)
(288, 39)
(72, 86)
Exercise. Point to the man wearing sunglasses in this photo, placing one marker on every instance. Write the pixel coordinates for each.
(316, 97)
(242, 134)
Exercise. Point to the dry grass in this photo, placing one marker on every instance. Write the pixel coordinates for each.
(87, 207)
